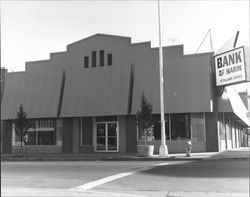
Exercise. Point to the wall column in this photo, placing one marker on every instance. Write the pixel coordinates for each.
(6, 135)
(76, 135)
(212, 141)
(233, 134)
(131, 134)
(59, 128)
(237, 135)
(122, 134)
(67, 135)
(86, 134)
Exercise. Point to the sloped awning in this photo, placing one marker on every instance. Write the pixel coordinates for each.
(38, 92)
(233, 103)
(96, 91)
(87, 92)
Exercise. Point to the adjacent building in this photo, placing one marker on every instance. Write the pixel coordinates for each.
(2, 80)
(85, 100)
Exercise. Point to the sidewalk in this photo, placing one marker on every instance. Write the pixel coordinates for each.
(241, 153)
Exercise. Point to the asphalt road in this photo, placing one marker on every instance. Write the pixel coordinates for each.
(126, 178)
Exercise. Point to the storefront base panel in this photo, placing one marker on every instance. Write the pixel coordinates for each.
(87, 149)
(177, 146)
(38, 149)
(199, 146)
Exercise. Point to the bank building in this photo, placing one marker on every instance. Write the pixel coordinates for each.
(85, 100)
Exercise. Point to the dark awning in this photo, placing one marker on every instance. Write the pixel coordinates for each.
(96, 91)
(230, 101)
(37, 91)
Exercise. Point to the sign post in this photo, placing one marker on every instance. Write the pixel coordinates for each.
(163, 151)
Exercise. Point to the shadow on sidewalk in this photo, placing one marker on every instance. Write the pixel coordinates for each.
(206, 169)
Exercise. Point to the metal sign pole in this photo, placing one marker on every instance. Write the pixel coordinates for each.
(163, 152)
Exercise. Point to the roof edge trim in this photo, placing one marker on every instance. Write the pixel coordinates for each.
(99, 34)
(148, 43)
(57, 53)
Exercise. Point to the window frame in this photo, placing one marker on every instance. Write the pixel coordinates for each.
(101, 58)
(86, 61)
(109, 59)
(93, 58)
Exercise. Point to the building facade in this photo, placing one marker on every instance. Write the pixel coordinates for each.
(85, 100)
(2, 80)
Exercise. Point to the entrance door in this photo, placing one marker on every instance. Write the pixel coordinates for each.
(107, 136)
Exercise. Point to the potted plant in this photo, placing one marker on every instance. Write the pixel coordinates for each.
(145, 122)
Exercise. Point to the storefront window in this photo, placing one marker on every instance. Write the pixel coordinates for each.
(42, 132)
(30, 138)
(180, 126)
(46, 138)
(157, 127)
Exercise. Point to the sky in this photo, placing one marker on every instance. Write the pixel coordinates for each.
(31, 30)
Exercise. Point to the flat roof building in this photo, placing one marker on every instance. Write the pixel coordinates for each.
(86, 98)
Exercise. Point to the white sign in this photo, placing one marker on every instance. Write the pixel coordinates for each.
(230, 67)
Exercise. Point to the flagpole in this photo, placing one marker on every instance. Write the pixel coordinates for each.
(163, 151)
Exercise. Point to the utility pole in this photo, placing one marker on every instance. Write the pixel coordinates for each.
(163, 151)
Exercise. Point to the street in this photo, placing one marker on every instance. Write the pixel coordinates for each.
(126, 178)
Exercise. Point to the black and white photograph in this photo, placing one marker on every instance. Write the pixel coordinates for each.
(125, 98)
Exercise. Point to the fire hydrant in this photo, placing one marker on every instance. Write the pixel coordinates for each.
(188, 148)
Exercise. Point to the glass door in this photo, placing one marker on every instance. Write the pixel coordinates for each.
(101, 136)
(112, 136)
(107, 136)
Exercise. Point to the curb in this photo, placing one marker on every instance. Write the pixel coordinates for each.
(101, 159)
(152, 159)
(14, 159)
(224, 155)
(226, 158)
